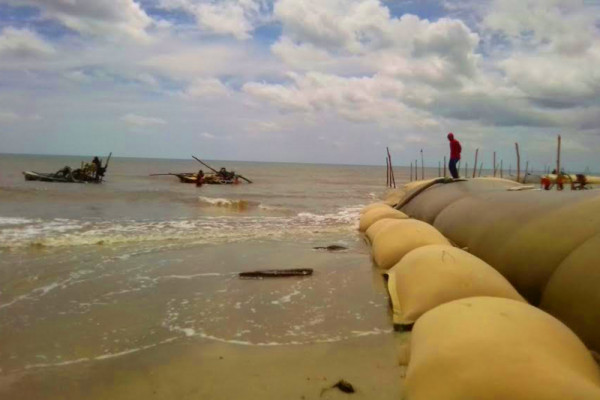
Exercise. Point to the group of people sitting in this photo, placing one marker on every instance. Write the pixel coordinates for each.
(89, 172)
(221, 175)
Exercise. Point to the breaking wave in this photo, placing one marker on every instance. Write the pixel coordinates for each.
(24, 233)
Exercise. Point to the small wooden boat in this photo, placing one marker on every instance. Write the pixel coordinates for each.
(88, 173)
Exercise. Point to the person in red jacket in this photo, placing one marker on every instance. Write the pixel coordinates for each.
(455, 150)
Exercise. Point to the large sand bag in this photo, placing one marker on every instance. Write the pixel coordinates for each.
(372, 216)
(436, 274)
(428, 204)
(525, 235)
(395, 240)
(487, 348)
(373, 206)
(573, 292)
(378, 226)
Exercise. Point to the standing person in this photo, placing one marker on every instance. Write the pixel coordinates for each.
(200, 178)
(455, 150)
(97, 168)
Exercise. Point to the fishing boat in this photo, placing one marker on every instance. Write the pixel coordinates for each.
(209, 179)
(221, 177)
(87, 173)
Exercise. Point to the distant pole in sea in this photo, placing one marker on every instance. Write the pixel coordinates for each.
(501, 173)
(416, 170)
(411, 175)
(439, 169)
(558, 157)
(494, 164)
(525, 173)
(391, 169)
(518, 163)
(387, 172)
(422, 166)
(480, 168)
(444, 166)
(475, 165)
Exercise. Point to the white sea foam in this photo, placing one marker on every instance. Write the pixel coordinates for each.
(64, 232)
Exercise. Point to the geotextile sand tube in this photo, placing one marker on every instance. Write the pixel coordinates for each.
(378, 226)
(396, 240)
(374, 215)
(432, 275)
(488, 348)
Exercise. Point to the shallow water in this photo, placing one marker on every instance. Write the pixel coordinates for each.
(92, 274)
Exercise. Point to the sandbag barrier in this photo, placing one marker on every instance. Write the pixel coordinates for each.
(474, 335)
(544, 242)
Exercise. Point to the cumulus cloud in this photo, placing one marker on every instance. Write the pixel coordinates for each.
(138, 121)
(207, 88)
(8, 116)
(97, 17)
(237, 18)
(23, 43)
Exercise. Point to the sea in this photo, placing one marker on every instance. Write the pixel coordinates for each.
(94, 272)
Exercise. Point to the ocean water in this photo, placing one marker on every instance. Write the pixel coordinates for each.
(95, 272)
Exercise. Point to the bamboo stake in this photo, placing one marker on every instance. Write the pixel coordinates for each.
(558, 157)
(422, 166)
(393, 180)
(518, 163)
(416, 170)
(387, 172)
(445, 175)
(494, 164)
(475, 165)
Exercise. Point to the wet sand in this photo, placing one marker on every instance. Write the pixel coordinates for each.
(212, 370)
(177, 323)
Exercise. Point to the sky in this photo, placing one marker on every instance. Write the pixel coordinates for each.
(317, 81)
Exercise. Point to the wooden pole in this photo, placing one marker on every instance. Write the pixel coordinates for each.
(518, 163)
(416, 170)
(501, 173)
(475, 165)
(422, 166)
(494, 164)
(439, 169)
(480, 168)
(411, 175)
(392, 179)
(445, 166)
(525, 173)
(558, 157)
(387, 172)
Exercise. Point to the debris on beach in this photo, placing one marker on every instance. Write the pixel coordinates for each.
(331, 247)
(342, 385)
(276, 273)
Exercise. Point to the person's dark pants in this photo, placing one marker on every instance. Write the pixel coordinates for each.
(452, 167)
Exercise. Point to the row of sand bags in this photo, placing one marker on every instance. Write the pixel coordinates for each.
(475, 337)
(546, 243)
(424, 270)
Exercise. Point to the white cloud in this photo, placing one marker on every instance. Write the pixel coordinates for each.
(207, 88)
(237, 18)
(142, 121)
(23, 43)
(8, 116)
(95, 17)
(208, 136)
